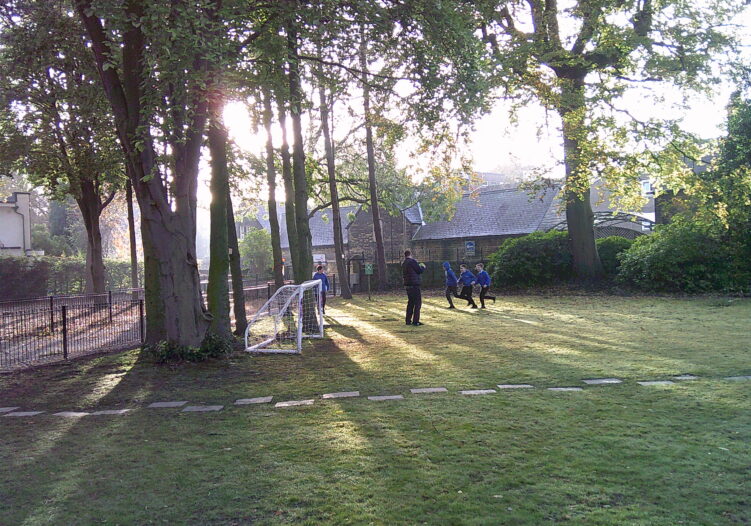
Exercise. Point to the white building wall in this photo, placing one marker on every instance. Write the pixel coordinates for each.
(15, 225)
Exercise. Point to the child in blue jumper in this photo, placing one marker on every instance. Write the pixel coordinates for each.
(467, 279)
(320, 274)
(483, 279)
(451, 284)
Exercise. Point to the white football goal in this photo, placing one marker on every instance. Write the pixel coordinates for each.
(291, 314)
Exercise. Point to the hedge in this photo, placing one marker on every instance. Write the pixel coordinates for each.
(540, 258)
(25, 277)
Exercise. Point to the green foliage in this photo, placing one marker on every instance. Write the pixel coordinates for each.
(212, 346)
(256, 252)
(684, 256)
(25, 277)
(609, 248)
(725, 188)
(539, 258)
(53, 245)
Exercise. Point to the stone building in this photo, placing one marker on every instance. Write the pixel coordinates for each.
(484, 219)
(398, 228)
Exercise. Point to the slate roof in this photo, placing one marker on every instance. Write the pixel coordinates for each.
(493, 211)
(321, 224)
(414, 214)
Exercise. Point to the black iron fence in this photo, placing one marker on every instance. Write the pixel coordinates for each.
(54, 328)
(40, 335)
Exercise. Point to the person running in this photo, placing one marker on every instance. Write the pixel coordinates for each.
(452, 283)
(467, 279)
(320, 274)
(483, 279)
(411, 271)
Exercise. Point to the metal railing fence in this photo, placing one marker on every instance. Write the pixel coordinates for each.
(42, 335)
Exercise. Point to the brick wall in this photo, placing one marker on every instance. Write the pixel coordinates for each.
(453, 250)
(397, 234)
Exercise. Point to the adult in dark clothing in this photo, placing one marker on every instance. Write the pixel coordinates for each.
(452, 284)
(411, 271)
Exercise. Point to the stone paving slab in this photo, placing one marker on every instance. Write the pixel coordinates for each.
(685, 377)
(8, 409)
(168, 404)
(738, 378)
(24, 413)
(565, 389)
(656, 382)
(111, 412)
(602, 381)
(385, 397)
(515, 386)
(293, 403)
(72, 414)
(341, 394)
(477, 391)
(202, 408)
(428, 390)
(257, 400)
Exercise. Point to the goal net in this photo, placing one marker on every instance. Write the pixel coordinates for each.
(291, 314)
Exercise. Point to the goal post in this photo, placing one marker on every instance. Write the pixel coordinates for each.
(291, 314)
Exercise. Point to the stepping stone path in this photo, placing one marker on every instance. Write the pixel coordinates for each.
(385, 397)
(343, 394)
(428, 390)
(293, 403)
(602, 381)
(12, 411)
(168, 404)
(23, 413)
(258, 400)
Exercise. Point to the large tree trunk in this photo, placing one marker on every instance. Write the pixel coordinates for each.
(341, 267)
(289, 189)
(304, 239)
(90, 206)
(132, 236)
(174, 306)
(377, 229)
(217, 293)
(579, 215)
(276, 245)
(235, 265)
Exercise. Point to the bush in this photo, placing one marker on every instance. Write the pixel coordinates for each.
(540, 258)
(683, 256)
(23, 277)
(609, 248)
(212, 347)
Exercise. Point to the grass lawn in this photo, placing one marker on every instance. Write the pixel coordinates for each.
(614, 454)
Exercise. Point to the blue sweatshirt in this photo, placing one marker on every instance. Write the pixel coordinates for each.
(451, 280)
(483, 278)
(467, 278)
(324, 279)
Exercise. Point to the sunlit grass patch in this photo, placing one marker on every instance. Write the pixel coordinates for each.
(611, 454)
